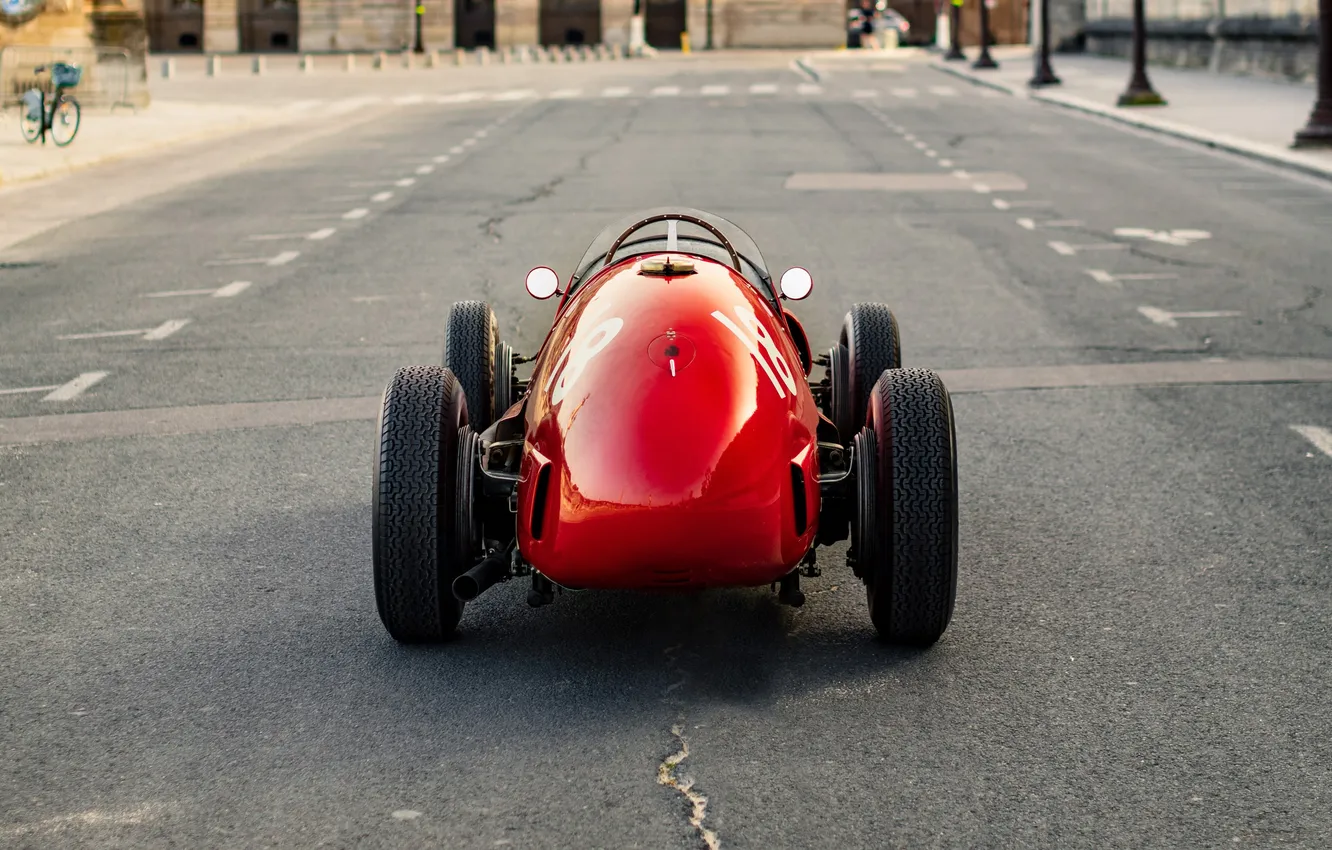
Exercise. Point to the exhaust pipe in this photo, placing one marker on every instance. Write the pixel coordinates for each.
(482, 577)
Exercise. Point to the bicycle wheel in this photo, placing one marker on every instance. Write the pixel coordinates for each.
(65, 121)
(31, 127)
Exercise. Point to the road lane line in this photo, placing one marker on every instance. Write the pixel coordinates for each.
(442, 158)
(177, 293)
(665, 91)
(980, 188)
(456, 149)
(21, 390)
(948, 163)
(426, 169)
(615, 91)
(381, 197)
(564, 94)
(1320, 437)
(515, 94)
(406, 181)
(905, 94)
(104, 334)
(283, 258)
(231, 290)
(75, 388)
(359, 212)
(1069, 250)
(712, 91)
(321, 234)
(943, 91)
(809, 88)
(1168, 319)
(165, 329)
(763, 88)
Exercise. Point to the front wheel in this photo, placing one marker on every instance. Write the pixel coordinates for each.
(65, 121)
(30, 121)
(906, 523)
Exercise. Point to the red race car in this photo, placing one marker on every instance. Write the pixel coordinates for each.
(669, 438)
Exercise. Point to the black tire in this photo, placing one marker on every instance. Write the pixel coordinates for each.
(470, 337)
(414, 504)
(65, 120)
(909, 557)
(869, 334)
(31, 128)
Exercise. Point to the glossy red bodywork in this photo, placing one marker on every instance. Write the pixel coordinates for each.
(661, 480)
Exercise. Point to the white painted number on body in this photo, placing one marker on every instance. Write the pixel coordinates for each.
(575, 357)
(754, 336)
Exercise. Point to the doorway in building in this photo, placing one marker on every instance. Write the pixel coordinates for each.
(474, 23)
(268, 26)
(174, 25)
(570, 21)
(663, 22)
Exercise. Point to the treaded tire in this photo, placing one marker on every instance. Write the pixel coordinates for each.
(911, 574)
(470, 337)
(869, 332)
(413, 504)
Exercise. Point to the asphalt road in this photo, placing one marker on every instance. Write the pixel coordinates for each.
(191, 653)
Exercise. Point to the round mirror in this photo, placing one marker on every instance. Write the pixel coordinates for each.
(796, 283)
(542, 282)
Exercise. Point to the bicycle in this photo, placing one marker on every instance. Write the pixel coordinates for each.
(62, 116)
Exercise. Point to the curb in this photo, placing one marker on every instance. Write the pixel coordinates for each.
(1249, 150)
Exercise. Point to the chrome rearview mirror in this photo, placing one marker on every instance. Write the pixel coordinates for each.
(796, 283)
(542, 282)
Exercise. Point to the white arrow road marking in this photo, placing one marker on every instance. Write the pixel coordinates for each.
(1320, 437)
(76, 387)
(1069, 250)
(1166, 237)
(228, 291)
(1103, 276)
(1169, 319)
(162, 331)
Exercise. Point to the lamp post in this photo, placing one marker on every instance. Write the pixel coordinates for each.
(1045, 75)
(420, 43)
(955, 53)
(1140, 91)
(1318, 132)
(985, 60)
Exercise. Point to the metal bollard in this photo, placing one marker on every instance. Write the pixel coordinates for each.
(432, 59)
(168, 68)
(257, 66)
(408, 61)
(459, 56)
(380, 59)
(307, 64)
(351, 62)
(214, 66)
(483, 54)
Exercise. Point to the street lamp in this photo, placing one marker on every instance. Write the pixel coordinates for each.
(1045, 75)
(1318, 132)
(985, 60)
(955, 53)
(420, 13)
(1139, 91)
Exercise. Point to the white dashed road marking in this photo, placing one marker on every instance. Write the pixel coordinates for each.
(406, 181)
(1320, 437)
(467, 143)
(359, 212)
(442, 158)
(280, 260)
(162, 331)
(321, 234)
(516, 94)
(943, 91)
(763, 88)
(381, 197)
(460, 97)
(1069, 250)
(1103, 276)
(1181, 238)
(564, 94)
(1169, 319)
(426, 169)
(283, 258)
(231, 290)
(456, 149)
(713, 91)
(61, 392)
(1001, 204)
(809, 88)
(615, 91)
(666, 91)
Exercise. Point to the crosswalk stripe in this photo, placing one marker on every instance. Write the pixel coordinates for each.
(665, 91)
(712, 91)
(615, 91)
(763, 88)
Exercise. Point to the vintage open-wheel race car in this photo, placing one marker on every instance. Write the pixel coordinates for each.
(669, 438)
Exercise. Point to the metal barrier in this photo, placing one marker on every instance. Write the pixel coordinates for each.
(111, 77)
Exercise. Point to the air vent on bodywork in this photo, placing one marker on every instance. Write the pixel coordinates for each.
(798, 498)
(539, 501)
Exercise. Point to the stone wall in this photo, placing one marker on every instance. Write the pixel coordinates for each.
(768, 23)
(1267, 38)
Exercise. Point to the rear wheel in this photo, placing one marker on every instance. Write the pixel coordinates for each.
(906, 523)
(471, 343)
(415, 550)
(65, 121)
(869, 344)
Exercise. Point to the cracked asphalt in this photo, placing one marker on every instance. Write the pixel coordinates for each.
(191, 653)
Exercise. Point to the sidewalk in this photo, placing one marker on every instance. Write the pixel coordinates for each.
(105, 137)
(1251, 117)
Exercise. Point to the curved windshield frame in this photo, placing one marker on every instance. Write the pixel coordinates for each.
(694, 241)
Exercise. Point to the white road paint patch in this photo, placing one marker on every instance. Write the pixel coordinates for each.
(809, 88)
(1320, 437)
(999, 203)
(408, 100)
(369, 299)
(1181, 238)
(1026, 224)
(406, 814)
(231, 290)
(615, 91)
(178, 293)
(931, 154)
(1103, 276)
(961, 173)
(406, 181)
(162, 331)
(711, 91)
(665, 91)
(1069, 250)
(862, 94)
(321, 234)
(564, 94)
(456, 149)
(284, 258)
(905, 94)
(442, 158)
(467, 143)
(947, 163)
(943, 91)
(1170, 320)
(359, 212)
(981, 189)
(459, 97)
(75, 388)
(763, 88)
(381, 197)
(165, 329)
(908, 137)
(482, 133)
(920, 146)
(426, 169)
(516, 94)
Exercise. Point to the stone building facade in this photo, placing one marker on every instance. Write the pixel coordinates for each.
(357, 25)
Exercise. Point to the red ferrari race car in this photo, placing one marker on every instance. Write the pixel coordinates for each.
(669, 438)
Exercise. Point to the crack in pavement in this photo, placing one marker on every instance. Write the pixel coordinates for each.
(668, 772)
